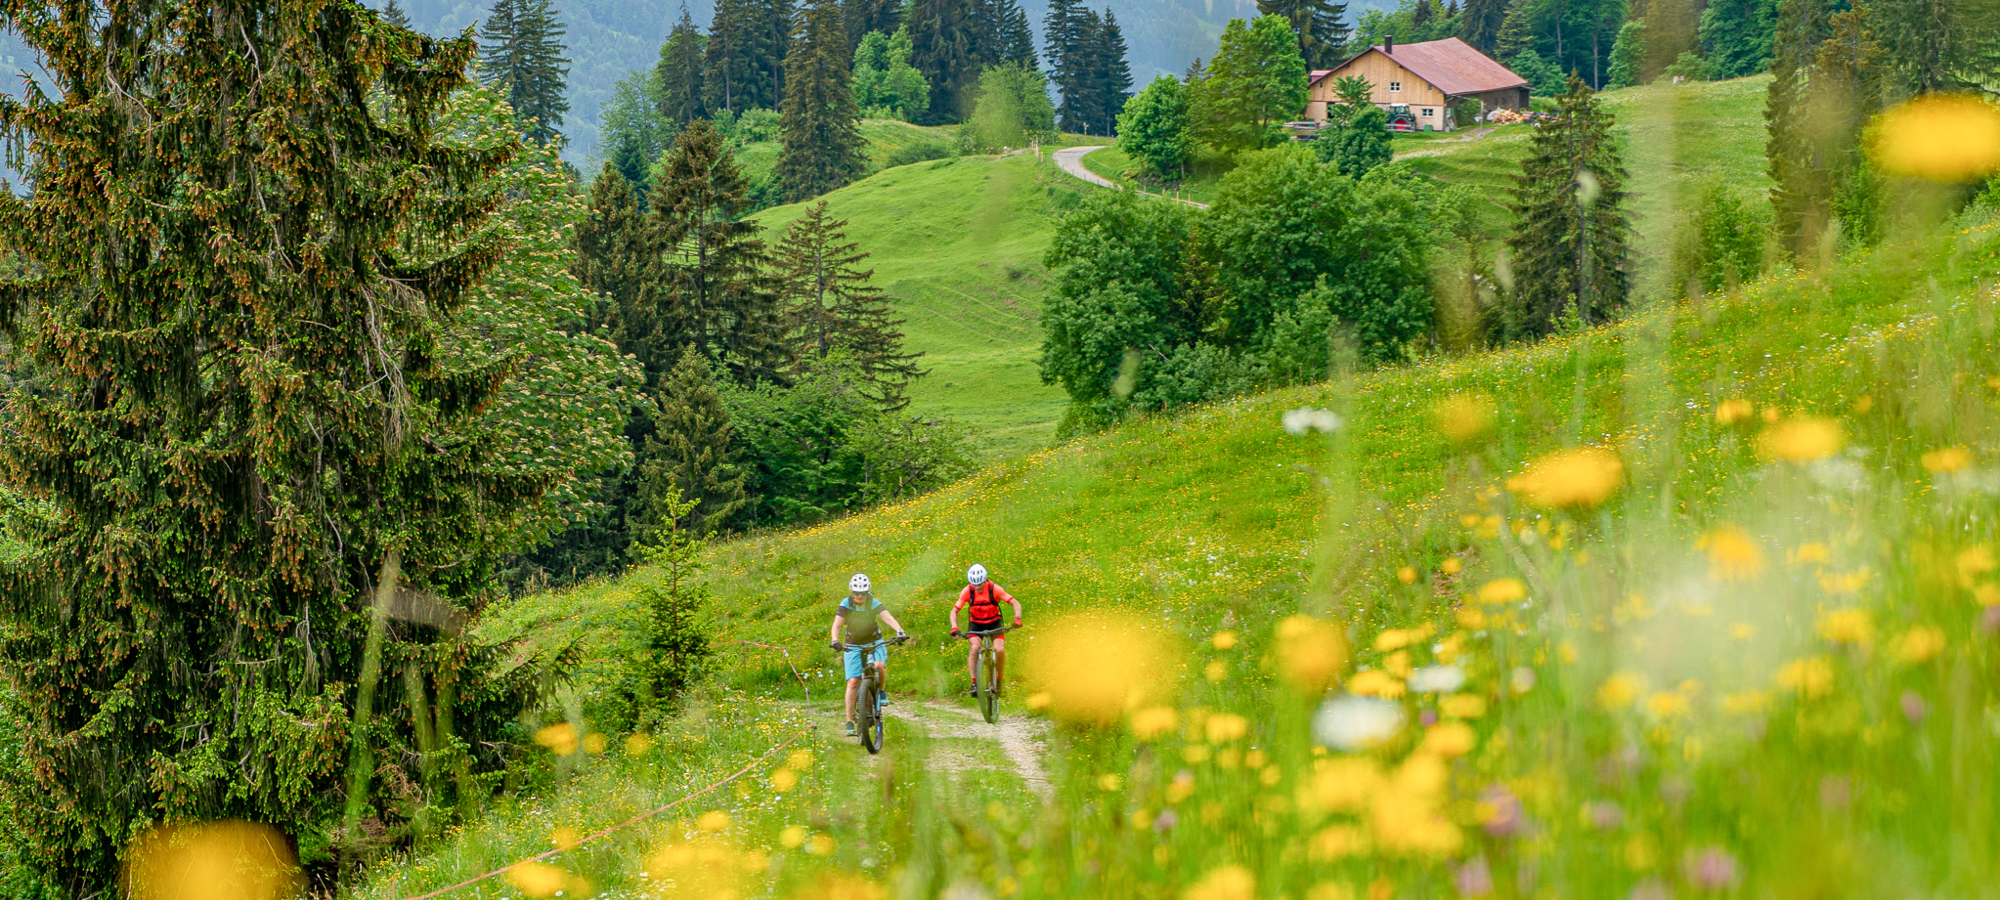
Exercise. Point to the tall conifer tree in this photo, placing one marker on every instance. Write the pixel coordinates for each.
(705, 283)
(1321, 26)
(1016, 37)
(250, 426)
(944, 47)
(1110, 75)
(612, 259)
(394, 15)
(521, 52)
(687, 456)
(1569, 248)
(1826, 84)
(743, 67)
(1480, 26)
(831, 308)
(822, 138)
(864, 17)
(1063, 30)
(678, 76)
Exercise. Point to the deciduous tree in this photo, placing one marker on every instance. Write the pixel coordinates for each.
(1156, 130)
(1255, 81)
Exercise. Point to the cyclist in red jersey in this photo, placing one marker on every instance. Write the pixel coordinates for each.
(984, 597)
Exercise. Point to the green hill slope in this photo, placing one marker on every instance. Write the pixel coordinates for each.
(958, 245)
(1220, 519)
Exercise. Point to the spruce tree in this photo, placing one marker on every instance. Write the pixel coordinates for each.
(705, 283)
(1063, 31)
(1480, 26)
(677, 78)
(743, 66)
(865, 17)
(249, 428)
(612, 258)
(1569, 246)
(1825, 86)
(394, 15)
(1016, 37)
(687, 456)
(1110, 76)
(943, 48)
(631, 132)
(1736, 36)
(822, 139)
(831, 308)
(521, 52)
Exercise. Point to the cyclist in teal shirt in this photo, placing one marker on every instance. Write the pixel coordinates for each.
(859, 619)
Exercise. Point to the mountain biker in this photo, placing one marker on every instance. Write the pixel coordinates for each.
(859, 619)
(985, 598)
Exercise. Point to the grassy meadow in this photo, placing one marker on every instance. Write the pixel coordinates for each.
(1741, 644)
(958, 243)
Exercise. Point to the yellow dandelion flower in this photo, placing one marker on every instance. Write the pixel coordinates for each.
(1223, 640)
(1842, 583)
(1375, 683)
(1040, 700)
(1471, 618)
(1392, 639)
(792, 837)
(1465, 417)
(1407, 575)
(1733, 555)
(1216, 670)
(1973, 562)
(1310, 652)
(1664, 705)
(230, 860)
(1503, 590)
(1397, 664)
(1618, 691)
(820, 845)
(1330, 890)
(1802, 439)
(799, 760)
(1225, 727)
(563, 838)
(537, 879)
(1336, 842)
(561, 738)
(1341, 784)
(1918, 645)
(1808, 553)
(1949, 459)
(1451, 565)
(1570, 478)
(1809, 677)
(1449, 739)
(784, 780)
(1095, 666)
(1463, 706)
(1987, 595)
(1939, 137)
(1154, 722)
(713, 820)
(1745, 702)
(1230, 882)
(1846, 626)
(638, 744)
(845, 887)
(595, 742)
(1110, 781)
(1730, 412)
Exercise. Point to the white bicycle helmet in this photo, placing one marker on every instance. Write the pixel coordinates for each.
(976, 575)
(859, 584)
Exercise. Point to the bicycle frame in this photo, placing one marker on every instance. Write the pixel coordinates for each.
(868, 706)
(985, 664)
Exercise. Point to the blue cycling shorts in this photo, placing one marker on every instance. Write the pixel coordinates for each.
(854, 663)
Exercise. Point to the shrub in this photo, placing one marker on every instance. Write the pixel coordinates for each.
(1719, 244)
(916, 153)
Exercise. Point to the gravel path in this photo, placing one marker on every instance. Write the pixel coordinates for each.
(1019, 738)
(1070, 160)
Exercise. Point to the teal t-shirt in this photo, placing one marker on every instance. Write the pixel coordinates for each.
(862, 624)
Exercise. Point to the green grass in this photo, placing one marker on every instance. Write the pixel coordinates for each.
(958, 245)
(1219, 520)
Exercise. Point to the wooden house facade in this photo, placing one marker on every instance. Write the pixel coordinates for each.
(1429, 78)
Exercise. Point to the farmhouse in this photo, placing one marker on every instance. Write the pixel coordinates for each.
(1429, 78)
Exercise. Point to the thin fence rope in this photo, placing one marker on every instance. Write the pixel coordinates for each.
(739, 773)
(788, 664)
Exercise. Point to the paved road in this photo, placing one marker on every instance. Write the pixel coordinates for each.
(1070, 159)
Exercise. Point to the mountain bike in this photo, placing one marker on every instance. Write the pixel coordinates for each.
(984, 670)
(868, 706)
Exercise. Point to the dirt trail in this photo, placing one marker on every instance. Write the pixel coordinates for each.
(1019, 737)
(1070, 160)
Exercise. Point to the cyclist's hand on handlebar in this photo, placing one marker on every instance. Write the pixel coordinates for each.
(835, 645)
(902, 636)
(955, 633)
(1017, 621)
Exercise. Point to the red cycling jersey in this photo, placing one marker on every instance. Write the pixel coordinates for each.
(985, 600)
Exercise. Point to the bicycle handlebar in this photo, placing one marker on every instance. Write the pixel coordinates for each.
(969, 635)
(873, 644)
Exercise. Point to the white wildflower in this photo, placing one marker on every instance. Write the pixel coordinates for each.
(1349, 722)
(1437, 679)
(1305, 418)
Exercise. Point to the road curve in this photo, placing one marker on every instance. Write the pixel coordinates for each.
(1070, 160)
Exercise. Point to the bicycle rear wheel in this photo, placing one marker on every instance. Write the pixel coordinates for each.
(989, 692)
(870, 714)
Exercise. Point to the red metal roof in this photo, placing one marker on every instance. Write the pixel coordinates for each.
(1450, 65)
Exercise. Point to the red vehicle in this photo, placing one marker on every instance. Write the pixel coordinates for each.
(1400, 119)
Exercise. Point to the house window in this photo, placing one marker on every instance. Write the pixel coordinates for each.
(1396, 87)
(1429, 112)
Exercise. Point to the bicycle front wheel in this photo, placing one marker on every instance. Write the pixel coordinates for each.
(871, 720)
(989, 690)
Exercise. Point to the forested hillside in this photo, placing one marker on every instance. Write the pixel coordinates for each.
(609, 39)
